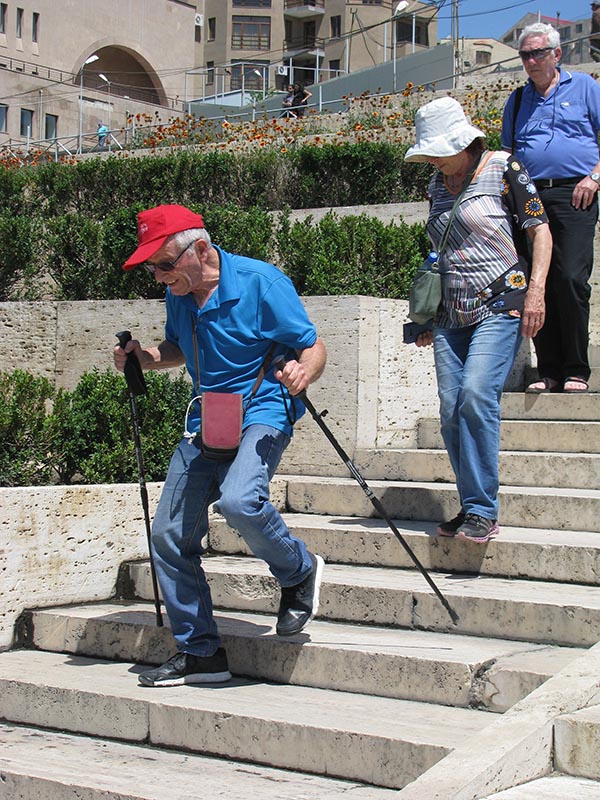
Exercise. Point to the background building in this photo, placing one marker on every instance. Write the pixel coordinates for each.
(66, 65)
(575, 53)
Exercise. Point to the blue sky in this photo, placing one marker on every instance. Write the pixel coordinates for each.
(491, 18)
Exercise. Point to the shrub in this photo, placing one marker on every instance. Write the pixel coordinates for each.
(85, 435)
(25, 459)
(351, 255)
(91, 430)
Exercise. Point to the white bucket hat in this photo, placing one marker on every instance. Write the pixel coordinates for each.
(442, 130)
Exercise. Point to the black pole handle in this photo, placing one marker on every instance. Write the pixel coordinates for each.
(134, 374)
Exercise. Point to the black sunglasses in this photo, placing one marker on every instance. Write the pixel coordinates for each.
(166, 266)
(537, 54)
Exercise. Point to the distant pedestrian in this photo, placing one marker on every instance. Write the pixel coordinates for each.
(102, 133)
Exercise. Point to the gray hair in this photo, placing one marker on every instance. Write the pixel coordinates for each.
(184, 238)
(540, 29)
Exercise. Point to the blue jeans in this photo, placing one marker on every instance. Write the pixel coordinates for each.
(472, 365)
(241, 488)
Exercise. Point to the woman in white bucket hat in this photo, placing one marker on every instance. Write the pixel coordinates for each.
(491, 297)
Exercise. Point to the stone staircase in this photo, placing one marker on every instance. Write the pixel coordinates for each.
(382, 692)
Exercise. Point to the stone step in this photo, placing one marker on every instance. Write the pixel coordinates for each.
(547, 436)
(532, 611)
(554, 787)
(47, 765)
(562, 470)
(534, 507)
(544, 555)
(577, 742)
(375, 740)
(450, 669)
(551, 407)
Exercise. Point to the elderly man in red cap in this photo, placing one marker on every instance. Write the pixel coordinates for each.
(228, 318)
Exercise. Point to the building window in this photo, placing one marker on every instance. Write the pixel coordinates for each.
(248, 76)
(404, 32)
(578, 28)
(252, 3)
(483, 57)
(334, 68)
(210, 73)
(51, 126)
(372, 2)
(251, 33)
(197, 33)
(35, 26)
(565, 33)
(19, 23)
(212, 29)
(3, 11)
(3, 118)
(336, 27)
(26, 122)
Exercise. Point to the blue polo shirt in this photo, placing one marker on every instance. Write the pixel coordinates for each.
(556, 136)
(254, 305)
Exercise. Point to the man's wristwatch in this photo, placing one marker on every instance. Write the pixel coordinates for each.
(595, 176)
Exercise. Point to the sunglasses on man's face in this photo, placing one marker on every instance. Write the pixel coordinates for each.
(537, 54)
(165, 266)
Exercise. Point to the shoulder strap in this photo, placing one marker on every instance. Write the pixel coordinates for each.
(516, 107)
(480, 165)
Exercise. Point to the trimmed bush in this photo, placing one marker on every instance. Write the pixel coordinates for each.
(85, 436)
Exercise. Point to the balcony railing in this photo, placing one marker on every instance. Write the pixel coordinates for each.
(304, 43)
(289, 4)
(250, 42)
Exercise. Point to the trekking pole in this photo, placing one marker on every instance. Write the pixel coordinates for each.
(279, 363)
(136, 386)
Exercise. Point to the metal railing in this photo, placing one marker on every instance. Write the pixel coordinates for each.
(304, 43)
(300, 3)
(28, 68)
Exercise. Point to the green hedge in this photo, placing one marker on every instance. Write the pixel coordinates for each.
(66, 229)
(85, 435)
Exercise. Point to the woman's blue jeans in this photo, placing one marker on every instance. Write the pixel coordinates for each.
(241, 488)
(472, 365)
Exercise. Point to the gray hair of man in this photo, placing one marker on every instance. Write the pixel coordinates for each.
(184, 238)
(540, 29)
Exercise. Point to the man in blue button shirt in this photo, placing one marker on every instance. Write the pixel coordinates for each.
(228, 316)
(555, 135)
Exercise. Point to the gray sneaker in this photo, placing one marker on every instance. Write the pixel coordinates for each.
(478, 529)
(450, 527)
(187, 668)
(300, 603)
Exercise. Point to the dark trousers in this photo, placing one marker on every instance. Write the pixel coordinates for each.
(562, 344)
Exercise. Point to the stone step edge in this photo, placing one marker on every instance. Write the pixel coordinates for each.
(517, 747)
(531, 611)
(349, 736)
(552, 787)
(378, 483)
(34, 763)
(492, 681)
(327, 536)
(576, 741)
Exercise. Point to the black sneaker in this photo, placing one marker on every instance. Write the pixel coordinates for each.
(300, 603)
(450, 527)
(187, 668)
(478, 529)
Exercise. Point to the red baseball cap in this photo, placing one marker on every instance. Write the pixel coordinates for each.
(155, 225)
